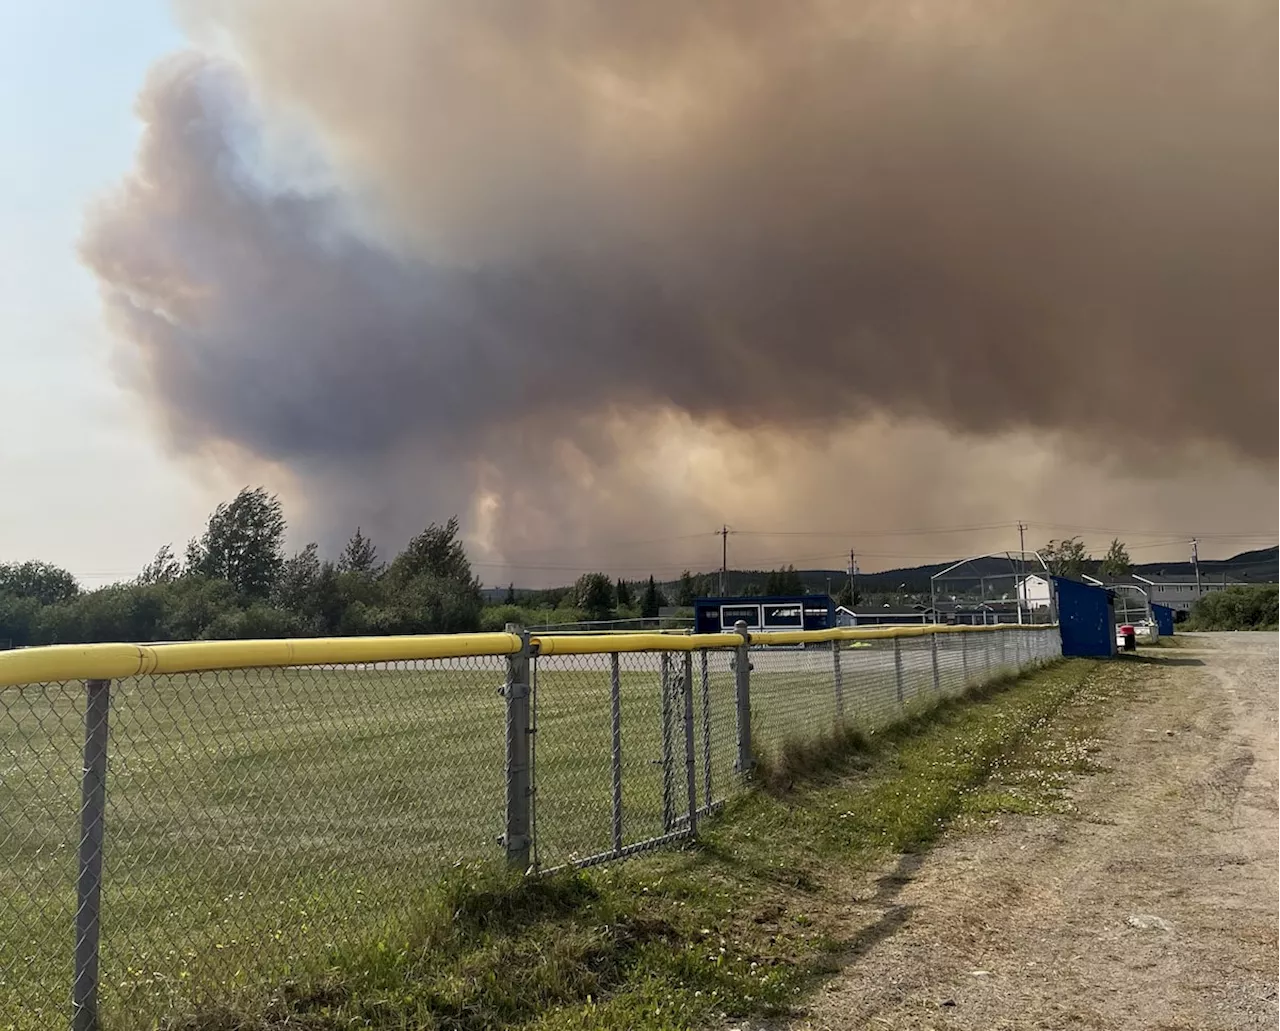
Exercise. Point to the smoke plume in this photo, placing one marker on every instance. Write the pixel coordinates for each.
(494, 257)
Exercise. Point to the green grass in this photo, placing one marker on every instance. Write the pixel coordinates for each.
(272, 827)
(742, 923)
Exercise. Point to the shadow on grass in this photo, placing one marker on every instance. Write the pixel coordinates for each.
(895, 915)
(1159, 660)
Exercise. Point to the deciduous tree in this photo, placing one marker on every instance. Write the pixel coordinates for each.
(243, 543)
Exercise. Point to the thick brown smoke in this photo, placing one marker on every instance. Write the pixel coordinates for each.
(519, 232)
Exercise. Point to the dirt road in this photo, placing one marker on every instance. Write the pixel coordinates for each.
(1154, 907)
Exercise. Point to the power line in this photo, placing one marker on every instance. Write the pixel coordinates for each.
(1183, 535)
(909, 532)
(620, 544)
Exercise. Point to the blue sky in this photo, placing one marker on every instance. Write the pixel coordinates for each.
(86, 483)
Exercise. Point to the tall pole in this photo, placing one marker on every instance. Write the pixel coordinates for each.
(1022, 567)
(1195, 563)
(724, 557)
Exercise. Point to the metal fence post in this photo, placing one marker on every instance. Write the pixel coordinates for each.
(690, 763)
(933, 645)
(615, 705)
(838, 674)
(706, 731)
(93, 805)
(964, 656)
(742, 692)
(668, 747)
(897, 667)
(518, 836)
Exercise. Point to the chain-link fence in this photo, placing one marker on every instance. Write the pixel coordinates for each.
(192, 822)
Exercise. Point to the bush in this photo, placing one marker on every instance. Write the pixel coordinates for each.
(496, 617)
(1253, 607)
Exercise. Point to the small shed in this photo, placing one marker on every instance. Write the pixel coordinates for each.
(1164, 619)
(1086, 618)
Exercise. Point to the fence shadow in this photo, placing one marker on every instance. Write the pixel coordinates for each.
(895, 915)
(1161, 660)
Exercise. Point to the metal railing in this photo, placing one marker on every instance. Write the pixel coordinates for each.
(198, 820)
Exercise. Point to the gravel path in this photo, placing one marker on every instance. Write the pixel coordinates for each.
(1153, 908)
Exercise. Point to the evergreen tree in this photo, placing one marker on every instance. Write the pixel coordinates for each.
(651, 600)
(686, 590)
(785, 582)
(359, 556)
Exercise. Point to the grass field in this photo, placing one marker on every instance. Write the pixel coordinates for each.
(259, 820)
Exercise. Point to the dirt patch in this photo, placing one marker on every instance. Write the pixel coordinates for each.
(1151, 906)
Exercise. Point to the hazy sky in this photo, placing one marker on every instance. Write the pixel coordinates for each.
(533, 279)
(87, 483)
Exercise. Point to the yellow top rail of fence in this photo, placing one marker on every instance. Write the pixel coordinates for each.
(641, 641)
(598, 644)
(110, 661)
(54, 663)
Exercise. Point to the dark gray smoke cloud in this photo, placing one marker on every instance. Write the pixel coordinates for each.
(525, 227)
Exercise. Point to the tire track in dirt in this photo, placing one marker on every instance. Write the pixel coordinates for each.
(1153, 907)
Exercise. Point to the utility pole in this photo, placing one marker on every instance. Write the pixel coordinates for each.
(853, 578)
(1022, 566)
(1195, 564)
(724, 556)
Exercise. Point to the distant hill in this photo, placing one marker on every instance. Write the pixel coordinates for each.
(1259, 566)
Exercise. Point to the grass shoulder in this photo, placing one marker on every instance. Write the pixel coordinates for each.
(744, 922)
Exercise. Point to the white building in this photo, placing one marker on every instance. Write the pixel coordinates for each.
(1035, 592)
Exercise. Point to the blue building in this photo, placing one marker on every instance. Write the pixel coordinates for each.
(804, 612)
(1164, 619)
(1086, 618)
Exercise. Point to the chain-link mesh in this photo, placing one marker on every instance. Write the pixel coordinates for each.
(718, 716)
(42, 731)
(869, 671)
(257, 821)
(793, 695)
(600, 795)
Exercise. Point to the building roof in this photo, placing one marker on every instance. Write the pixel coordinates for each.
(1102, 580)
(1145, 580)
(1186, 578)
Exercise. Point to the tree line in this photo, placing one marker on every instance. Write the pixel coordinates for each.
(236, 581)
(596, 597)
